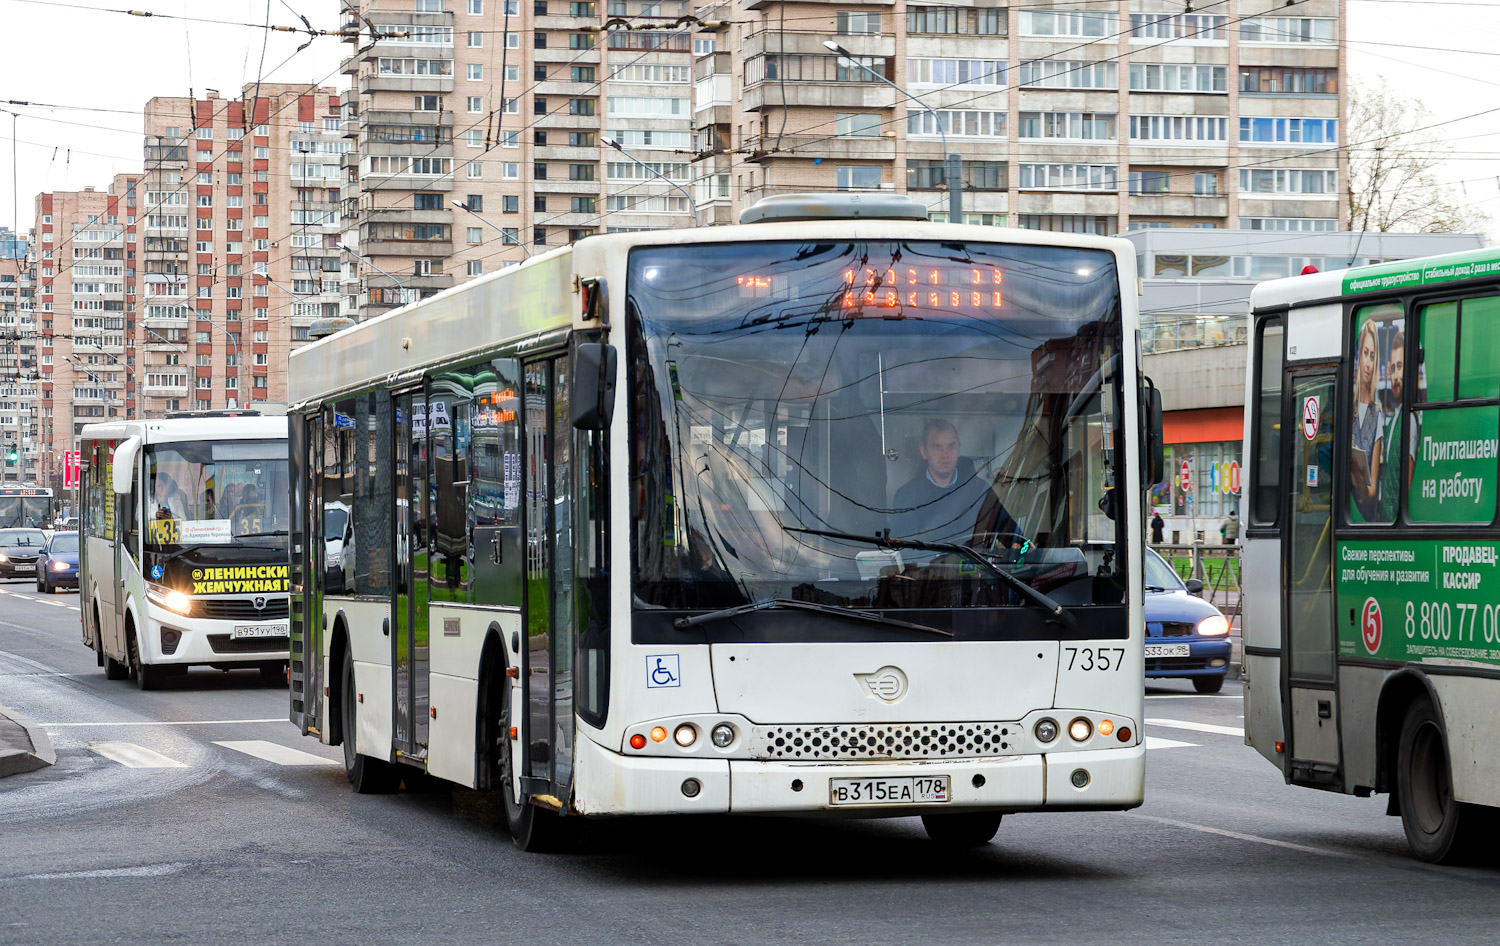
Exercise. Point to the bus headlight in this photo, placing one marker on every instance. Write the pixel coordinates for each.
(177, 601)
(1080, 729)
(722, 735)
(685, 735)
(1215, 625)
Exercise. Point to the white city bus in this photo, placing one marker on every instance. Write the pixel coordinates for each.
(862, 536)
(1371, 547)
(184, 552)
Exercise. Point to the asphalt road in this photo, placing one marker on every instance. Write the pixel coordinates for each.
(197, 815)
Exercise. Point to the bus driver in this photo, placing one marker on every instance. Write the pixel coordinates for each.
(939, 504)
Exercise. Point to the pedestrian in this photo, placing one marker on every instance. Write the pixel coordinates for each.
(1230, 530)
(1158, 526)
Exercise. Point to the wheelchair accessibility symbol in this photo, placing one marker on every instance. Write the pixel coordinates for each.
(662, 670)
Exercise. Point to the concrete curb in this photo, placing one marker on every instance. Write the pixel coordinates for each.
(24, 746)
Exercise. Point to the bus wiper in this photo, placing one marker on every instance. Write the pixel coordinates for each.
(886, 542)
(683, 624)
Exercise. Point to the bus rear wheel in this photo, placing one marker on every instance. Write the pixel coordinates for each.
(1439, 828)
(965, 829)
(368, 776)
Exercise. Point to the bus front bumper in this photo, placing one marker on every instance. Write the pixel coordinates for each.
(183, 641)
(609, 783)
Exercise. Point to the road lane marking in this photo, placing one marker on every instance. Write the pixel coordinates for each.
(145, 870)
(1197, 727)
(272, 752)
(133, 756)
(1157, 742)
(166, 722)
(1239, 836)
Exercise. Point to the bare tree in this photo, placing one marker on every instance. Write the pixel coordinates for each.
(1392, 162)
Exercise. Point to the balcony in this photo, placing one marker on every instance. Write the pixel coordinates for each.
(572, 57)
(811, 44)
(565, 153)
(568, 122)
(566, 88)
(370, 83)
(1178, 205)
(565, 186)
(164, 390)
(852, 95)
(409, 249)
(823, 146)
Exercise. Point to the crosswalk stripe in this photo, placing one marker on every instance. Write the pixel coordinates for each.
(273, 752)
(1197, 727)
(1156, 742)
(133, 756)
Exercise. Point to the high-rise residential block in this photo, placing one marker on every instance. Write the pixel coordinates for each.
(1088, 117)
(238, 251)
(507, 107)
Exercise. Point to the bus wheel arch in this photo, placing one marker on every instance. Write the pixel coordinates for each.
(491, 676)
(1439, 828)
(1400, 691)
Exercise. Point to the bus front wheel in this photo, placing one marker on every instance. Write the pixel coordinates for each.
(532, 829)
(966, 829)
(147, 677)
(368, 776)
(1439, 828)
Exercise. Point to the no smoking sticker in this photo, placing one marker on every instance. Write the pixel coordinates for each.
(1310, 417)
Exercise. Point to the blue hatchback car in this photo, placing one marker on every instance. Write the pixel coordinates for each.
(57, 563)
(1185, 635)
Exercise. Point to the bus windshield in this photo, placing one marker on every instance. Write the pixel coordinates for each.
(944, 393)
(215, 492)
(25, 512)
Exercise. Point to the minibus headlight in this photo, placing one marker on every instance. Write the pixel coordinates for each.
(1045, 730)
(177, 601)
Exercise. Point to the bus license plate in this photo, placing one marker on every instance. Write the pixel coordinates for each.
(926, 790)
(243, 631)
(1168, 650)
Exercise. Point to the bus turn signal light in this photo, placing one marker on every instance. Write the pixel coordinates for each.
(637, 741)
(1124, 734)
(1106, 727)
(658, 734)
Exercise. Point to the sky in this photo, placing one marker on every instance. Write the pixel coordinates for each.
(1441, 53)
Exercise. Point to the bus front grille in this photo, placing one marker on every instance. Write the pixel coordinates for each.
(894, 741)
(242, 609)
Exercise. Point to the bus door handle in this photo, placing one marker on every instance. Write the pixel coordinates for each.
(496, 555)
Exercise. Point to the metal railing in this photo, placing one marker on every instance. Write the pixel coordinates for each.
(1217, 566)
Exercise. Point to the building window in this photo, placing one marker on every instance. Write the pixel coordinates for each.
(1289, 130)
(475, 170)
(957, 123)
(856, 24)
(1188, 26)
(1206, 184)
(510, 203)
(510, 171)
(475, 72)
(1098, 177)
(475, 104)
(857, 125)
(475, 234)
(1080, 23)
(957, 20)
(1320, 183)
(1150, 183)
(858, 177)
(1069, 74)
(582, 205)
(474, 138)
(476, 7)
(1287, 29)
(1178, 128)
(476, 39)
(474, 267)
(474, 202)
(539, 236)
(1169, 77)
(1081, 126)
(1277, 80)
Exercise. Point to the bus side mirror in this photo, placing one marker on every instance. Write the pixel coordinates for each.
(1155, 465)
(593, 385)
(123, 464)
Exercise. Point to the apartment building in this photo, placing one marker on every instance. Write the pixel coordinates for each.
(239, 226)
(1094, 116)
(1091, 117)
(87, 279)
(19, 418)
(507, 107)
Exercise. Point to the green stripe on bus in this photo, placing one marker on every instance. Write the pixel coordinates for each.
(1411, 273)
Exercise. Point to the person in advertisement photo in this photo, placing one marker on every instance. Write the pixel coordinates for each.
(1364, 453)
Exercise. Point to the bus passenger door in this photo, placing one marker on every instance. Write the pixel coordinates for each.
(410, 657)
(549, 609)
(1309, 682)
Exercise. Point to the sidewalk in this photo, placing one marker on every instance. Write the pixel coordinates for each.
(24, 746)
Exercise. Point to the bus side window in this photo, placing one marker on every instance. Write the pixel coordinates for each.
(129, 522)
